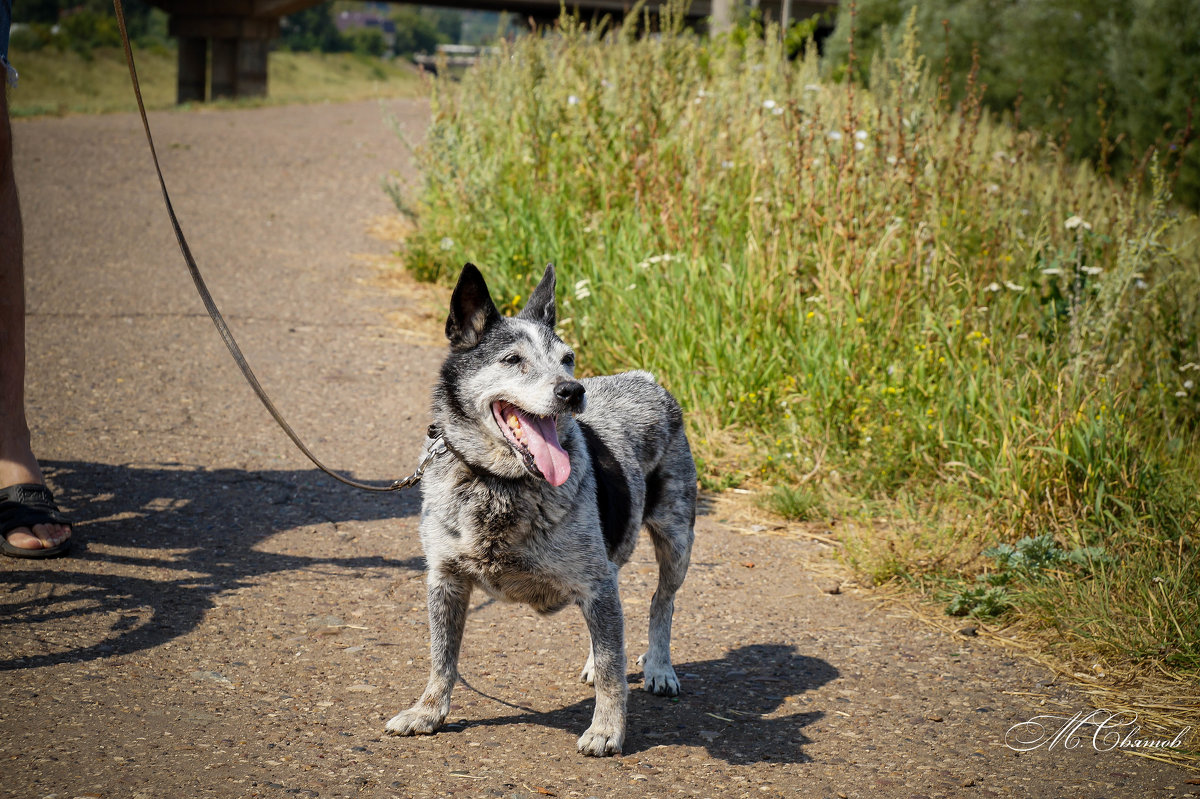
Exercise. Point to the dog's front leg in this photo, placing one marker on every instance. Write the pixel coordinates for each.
(606, 625)
(448, 598)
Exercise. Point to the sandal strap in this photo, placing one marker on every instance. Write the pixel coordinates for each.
(27, 504)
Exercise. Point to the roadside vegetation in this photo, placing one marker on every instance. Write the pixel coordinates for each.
(65, 82)
(878, 306)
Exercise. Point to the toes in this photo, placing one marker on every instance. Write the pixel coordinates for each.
(659, 679)
(40, 536)
(600, 742)
(51, 535)
(662, 685)
(414, 721)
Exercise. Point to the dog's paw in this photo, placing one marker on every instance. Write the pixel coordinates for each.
(658, 679)
(417, 720)
(600, 741)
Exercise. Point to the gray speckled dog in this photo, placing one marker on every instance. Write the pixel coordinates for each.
(540, 498)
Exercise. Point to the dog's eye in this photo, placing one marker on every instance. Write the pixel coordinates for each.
(512, 359)
(568, 360)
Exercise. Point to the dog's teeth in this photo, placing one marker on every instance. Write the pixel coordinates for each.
(514, 422)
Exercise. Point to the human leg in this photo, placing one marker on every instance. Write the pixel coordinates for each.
(18, 466)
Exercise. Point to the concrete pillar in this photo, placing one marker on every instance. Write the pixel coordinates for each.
(722, 16)
(193, 69)
(224, 68)
(252, 68)
(239, 53)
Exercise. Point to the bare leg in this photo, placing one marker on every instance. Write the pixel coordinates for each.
(17, 463)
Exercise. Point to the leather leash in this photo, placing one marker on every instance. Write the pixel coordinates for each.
(434, 445)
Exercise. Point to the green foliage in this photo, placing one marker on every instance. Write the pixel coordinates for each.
(796, 502)
(1106, 80)
(984, 340)
(312, 29)
(422, 29)
(366, 41)
(1033, 557)
(982, 602)
(84, 26)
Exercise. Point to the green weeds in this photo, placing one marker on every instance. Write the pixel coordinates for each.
(906, 308)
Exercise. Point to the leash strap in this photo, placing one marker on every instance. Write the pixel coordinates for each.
(219, 321)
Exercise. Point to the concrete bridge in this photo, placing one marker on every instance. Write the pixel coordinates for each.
(237, 33)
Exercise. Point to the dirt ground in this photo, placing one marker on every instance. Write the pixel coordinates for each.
(236, 625)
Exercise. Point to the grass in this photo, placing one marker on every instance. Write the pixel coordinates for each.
(870, 302)
(64, 82)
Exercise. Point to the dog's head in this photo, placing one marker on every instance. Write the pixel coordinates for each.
(513, 379)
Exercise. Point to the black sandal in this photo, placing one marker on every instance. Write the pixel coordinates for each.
(25, 505)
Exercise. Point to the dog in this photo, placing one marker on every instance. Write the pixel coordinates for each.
(539, 498)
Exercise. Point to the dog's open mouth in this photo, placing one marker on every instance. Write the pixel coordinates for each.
(535, 439)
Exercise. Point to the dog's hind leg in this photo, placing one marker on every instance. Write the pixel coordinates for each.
(448, 598)
(670, 518)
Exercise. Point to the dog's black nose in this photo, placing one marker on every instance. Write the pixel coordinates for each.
(569, 391)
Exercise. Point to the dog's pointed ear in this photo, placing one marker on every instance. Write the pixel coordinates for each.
(471, 310)
(540, 307)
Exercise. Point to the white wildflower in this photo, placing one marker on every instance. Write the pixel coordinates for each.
(993, 287)
(768, 104)
(726, 165)
(891, 159)
(572, 100)
(582, 292)
(859, 145)
(992, 188)
(861, 135)
(1091, 270)
(1013, 286)
(835, 135)
(777, 111)
(1181, 393)
(447, 243)
(812, 87)
(1076, 222)
(1053, 270)
(1189, 385)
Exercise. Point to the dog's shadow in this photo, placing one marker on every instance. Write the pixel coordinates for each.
(747, 707)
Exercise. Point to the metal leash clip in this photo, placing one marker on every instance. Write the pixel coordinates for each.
(435, 445)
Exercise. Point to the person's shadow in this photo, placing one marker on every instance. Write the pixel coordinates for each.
(747, 707)
(174, 537)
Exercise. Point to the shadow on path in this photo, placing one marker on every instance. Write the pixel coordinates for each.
(188, 534)
(723, 707)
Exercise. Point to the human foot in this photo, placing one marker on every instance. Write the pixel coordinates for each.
(30, 522)
(32, 525)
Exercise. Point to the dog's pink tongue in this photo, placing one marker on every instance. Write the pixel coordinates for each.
(541, 437)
